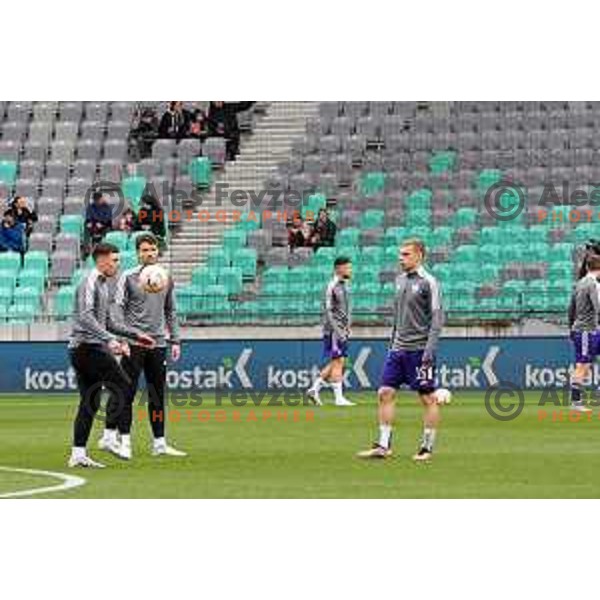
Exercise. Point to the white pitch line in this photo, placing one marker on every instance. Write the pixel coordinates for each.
(68, 482)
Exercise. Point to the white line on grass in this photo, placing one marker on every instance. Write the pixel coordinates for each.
(68, 482)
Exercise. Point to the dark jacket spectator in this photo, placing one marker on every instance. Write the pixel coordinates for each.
(12, 234)
(144, 132)
(21, 212)
(175, 122)
(151, 217)
(98, 218)
(324, 230)
(298, 233)
(223, 122)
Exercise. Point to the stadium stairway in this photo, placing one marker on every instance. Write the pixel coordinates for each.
(260, 154)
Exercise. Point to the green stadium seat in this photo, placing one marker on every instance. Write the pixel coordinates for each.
(133, 189)
(490, 253)
(218, 258)
(372, 219)
(200, 171)
(373, 256)
(32, 278)
(442, 162)
(466, 253)
(560, 252)
(25, 296)
(560, 270)
(128, 259)
(372, 183)
(64, 301)
(491, 235)
(234, 239)
(419, 200)
(393, 236)
(72, 224)
(10, 262)
(20, 314)
(118, 238)
(488, 272)
(245, 259)
(8, 172)
(36, 260)
(6, 295)
(347, 237)
(230, 278)
(464, 217)
(441, 236)
(203, 277)
(418, 218)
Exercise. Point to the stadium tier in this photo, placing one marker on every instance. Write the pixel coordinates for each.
(386, 171)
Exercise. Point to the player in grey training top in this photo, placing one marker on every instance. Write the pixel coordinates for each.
(583, 322)
(155, 315)
(93, 349)
(418, 321)
(335, 325)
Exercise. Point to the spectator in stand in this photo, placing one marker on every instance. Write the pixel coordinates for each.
(126, 221)
(324, 230)
(98, 219)
(223, 122)
(298, 233)
(144, 132)
(12, 235)
(198, 125)
(151, 218)
(175, 122)
(21, 212)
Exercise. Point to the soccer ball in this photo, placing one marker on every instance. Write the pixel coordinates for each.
(443, 396)
(154, 279)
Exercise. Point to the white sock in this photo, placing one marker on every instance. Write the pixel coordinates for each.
(318, 384)
(110, 435)
(126, 440)
(428, 438)
(159, 441)
(337, 390)
(78, 452)
(385, 435)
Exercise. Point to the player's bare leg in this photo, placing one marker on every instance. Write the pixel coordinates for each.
(431, 420)
(336, 380)
(581, 373)
(385, 413)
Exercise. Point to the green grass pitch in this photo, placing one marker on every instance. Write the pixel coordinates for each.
(313, 457)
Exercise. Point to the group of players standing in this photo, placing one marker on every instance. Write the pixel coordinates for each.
(106, 315)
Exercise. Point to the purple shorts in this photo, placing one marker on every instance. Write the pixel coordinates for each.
(587, 345)
(403, 367)
(333, 347)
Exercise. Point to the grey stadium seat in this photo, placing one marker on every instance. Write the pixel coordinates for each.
(68, 243)
(49, 206)
(96, 111)
(74, 205)
(115, 150)
(71, 111)
(163, 149)
(63, 265)
(40, 241)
